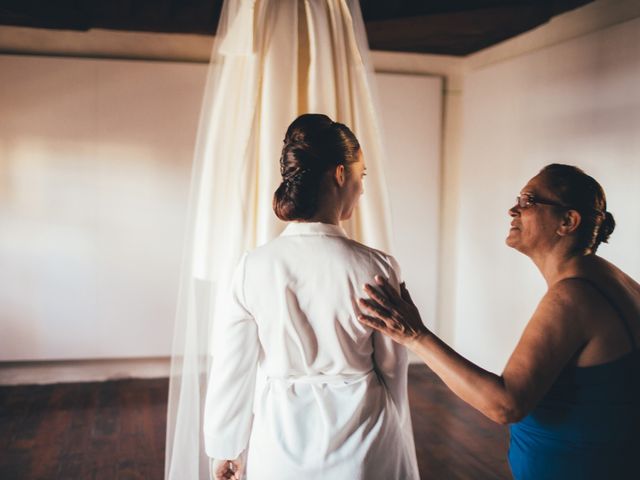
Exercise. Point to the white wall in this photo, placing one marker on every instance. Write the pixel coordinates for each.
(94, 169)
(577, 102)
(411, 107)
(95, 162)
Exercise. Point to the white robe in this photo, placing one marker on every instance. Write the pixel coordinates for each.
(331, 400)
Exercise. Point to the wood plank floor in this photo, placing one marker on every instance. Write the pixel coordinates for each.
(115, 431)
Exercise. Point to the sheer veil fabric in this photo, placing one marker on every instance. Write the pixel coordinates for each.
(272, 60)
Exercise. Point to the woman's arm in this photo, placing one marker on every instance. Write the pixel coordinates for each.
(552, 337)
(228, 410)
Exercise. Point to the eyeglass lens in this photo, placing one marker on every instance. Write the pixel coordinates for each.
(523, 201)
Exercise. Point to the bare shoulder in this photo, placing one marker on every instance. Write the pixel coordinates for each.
(566, 311)
(574, 292)
(613, 278)
(583, 303)
(570, 297)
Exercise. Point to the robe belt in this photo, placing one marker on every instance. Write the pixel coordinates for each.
(318, 379)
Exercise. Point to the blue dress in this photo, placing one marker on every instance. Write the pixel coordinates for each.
(587, 426)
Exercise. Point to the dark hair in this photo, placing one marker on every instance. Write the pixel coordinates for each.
(313, 145)
(584, 194)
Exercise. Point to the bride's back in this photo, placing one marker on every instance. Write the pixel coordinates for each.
(302, 290)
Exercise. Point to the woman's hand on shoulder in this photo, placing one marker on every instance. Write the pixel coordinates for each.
(392, 313)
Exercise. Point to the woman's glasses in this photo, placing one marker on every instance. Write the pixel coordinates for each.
(526, 200)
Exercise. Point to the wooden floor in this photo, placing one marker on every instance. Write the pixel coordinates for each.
(115, 431)
(453, 441)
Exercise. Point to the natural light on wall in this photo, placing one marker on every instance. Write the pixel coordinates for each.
(80, 231)
(94, 178)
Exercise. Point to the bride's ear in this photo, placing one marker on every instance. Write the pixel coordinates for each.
(339, 175)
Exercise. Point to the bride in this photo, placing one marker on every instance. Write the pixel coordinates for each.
(331, 400)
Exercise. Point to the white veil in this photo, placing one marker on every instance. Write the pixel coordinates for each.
(272, 60)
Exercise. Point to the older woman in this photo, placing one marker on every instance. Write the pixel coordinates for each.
(571, 388)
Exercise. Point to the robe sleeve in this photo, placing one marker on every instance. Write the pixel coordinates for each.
(392, 363)
(228, 411)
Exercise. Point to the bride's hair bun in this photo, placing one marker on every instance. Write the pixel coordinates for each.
(313, 145)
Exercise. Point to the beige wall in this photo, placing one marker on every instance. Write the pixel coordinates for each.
(95, 162)
(411, 107)
(94, 169)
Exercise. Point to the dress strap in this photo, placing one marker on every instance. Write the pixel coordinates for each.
(613, 305)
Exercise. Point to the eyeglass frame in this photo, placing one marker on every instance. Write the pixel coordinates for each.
(532, 200)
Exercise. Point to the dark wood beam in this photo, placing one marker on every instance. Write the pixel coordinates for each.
(456, 33)
(452, 27)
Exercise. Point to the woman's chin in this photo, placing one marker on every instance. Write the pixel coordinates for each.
(515, 243)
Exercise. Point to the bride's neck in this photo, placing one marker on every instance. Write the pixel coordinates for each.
(328, 211)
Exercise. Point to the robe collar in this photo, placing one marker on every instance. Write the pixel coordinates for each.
(314, 228)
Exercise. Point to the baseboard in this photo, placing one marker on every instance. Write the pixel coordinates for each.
(43, 372)
(66, 371)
